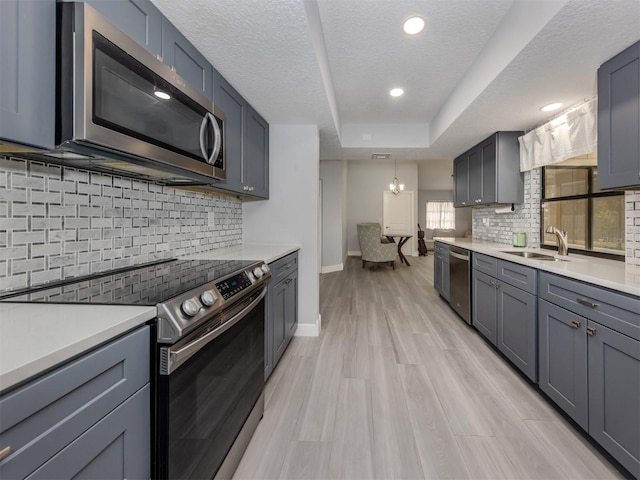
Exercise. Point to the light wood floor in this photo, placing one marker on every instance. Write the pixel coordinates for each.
(398, 386)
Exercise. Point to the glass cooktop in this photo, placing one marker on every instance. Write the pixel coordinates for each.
(148, 284)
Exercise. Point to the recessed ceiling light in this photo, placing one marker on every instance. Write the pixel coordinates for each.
(396, 92)
(161, 94)
(551, 107)
(413, 25)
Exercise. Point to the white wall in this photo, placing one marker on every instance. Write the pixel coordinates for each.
(334, 249)
(291, 214)
(366, 180)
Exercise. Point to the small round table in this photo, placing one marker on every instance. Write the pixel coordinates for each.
(401, 242)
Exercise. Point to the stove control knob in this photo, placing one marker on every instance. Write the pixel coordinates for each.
(190, 307)
(208, 298)
(257, 272)
(265, 268)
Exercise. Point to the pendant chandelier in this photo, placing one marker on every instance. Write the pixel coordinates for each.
(395, 186)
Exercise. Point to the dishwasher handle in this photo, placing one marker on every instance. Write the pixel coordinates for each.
(457, 255)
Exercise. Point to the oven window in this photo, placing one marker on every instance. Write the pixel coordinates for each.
(125, 100)
(204, 403)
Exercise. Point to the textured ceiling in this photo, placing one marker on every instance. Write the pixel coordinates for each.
(480, 65)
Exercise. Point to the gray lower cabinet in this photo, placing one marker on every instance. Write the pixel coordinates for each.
(441, 270)
(484, 310)
(504, 309)
(590, 361)
(563, 360)
(139, 19)
(282, 310)
(619, 120)
(614, 394)
(87, 419)
(28, 59)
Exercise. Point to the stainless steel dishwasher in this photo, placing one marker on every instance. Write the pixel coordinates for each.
(459, 278)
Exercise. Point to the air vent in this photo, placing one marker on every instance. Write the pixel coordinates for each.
(378, 156)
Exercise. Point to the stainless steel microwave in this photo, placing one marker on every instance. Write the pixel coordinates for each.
(121, 110)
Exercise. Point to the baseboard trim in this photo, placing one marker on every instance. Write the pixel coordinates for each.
(354, 253)
(309, 329)
(332, 268)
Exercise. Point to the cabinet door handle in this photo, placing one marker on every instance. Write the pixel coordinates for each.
(5, 452)
(575, 324)
(591, 331)
(586, 303)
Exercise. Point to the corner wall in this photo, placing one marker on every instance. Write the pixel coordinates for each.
(333, 176)
(291, 213)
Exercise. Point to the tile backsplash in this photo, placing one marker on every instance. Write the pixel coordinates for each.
(59, 222)
(499, 227)
(632, 223)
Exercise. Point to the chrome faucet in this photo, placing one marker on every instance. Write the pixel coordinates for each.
(561, 235)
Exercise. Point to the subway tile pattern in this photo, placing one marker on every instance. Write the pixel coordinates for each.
(494, 227)
(60, 222)
(499, 227)
(632, 227)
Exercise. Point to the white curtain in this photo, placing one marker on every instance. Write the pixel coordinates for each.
(572, 134)
(441, 215)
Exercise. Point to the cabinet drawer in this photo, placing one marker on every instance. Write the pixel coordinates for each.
(615, 310)
(524, 278)
(41, 418)
(485, 264)
(282, 267)
(441, 248)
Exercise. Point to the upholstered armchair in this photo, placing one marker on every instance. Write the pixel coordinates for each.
(374, 247)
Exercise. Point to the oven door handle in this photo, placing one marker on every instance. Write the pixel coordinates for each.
(179, 356)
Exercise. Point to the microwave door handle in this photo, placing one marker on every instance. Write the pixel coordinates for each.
(218, 139)
(203, 131)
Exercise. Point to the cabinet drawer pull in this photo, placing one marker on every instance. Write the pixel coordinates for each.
(591, 331)
(586, 303)
(5, 452)
(575, 324)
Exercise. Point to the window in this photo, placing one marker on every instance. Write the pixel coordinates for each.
(441, 215)
(571, 201)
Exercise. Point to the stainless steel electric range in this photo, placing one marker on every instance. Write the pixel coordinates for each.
(209, 354)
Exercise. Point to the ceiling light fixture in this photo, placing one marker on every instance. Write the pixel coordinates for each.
(395, 186)
(551, 107)
(396, 92)
(413, 25)
(161, 94)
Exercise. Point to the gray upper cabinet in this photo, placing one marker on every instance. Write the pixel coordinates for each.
(489, 172)
(190, 64)
(256, 162)
(246, 143)
(27, 75)
(619, 120)
(461, 181)
(234, 107)
(139, 19)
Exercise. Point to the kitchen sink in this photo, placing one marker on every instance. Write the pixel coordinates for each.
(537, 256)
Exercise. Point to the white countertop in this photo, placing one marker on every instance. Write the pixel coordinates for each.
(37, 337)
(598, 271)
(247, 251)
